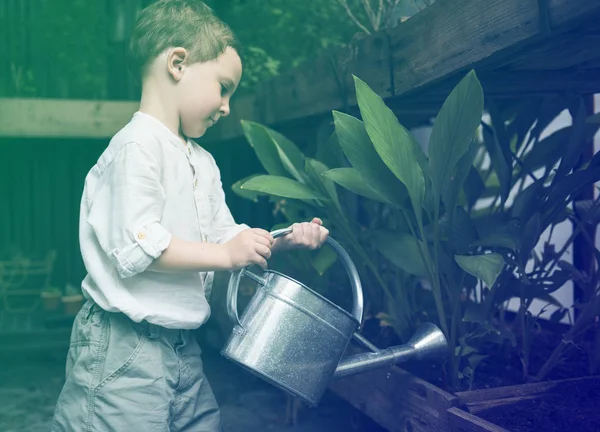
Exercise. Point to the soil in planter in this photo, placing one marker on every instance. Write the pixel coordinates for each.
(503, 367)
(577, 411)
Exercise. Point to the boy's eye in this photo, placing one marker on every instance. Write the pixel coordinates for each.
(224, 90)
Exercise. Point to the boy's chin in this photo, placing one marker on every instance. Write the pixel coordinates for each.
(196, 133)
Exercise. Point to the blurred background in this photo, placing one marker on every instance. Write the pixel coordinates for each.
(71, 56)
(75, 50)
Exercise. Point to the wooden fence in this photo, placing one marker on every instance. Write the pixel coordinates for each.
(66, 48)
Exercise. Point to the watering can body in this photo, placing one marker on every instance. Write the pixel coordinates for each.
(294, 338)
(291, 337)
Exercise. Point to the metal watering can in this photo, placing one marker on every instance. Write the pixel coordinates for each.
(294, 338)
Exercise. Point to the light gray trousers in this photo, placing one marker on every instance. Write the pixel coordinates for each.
(123, 376)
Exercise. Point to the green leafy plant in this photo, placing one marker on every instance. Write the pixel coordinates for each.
(297, 186)
(587, 309)
(432, 224)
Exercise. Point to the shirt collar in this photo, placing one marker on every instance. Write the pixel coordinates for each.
(160, 129)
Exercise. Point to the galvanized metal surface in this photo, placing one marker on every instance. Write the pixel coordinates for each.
(294, 338)
(427, 343)
(291, 336)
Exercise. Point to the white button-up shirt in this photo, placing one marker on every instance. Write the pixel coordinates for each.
(146, 187)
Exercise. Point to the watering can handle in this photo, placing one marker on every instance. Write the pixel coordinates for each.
(357, 294)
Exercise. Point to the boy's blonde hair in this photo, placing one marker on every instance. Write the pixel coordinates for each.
(190, 24)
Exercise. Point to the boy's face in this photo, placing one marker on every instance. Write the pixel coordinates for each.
(204, 92)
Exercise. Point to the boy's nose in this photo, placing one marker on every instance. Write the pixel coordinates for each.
(225, 110)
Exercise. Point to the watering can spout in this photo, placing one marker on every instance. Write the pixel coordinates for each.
(427, 342)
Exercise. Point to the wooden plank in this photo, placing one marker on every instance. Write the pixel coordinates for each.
(511, 84)
(481, 34)
(466, 33)
(397, 400)
(462, 421)
(576, 49)
(570, 13)
(451, 36)
(483, 406)
(479, 400)
(63, 118)
(436, 46)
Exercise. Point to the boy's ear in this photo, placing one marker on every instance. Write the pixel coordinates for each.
(177, 60)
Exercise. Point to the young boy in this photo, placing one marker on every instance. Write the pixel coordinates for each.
(154, 227)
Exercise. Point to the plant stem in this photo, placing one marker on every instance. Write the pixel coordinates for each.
(432, 266)
(351, 237)
(581, 324)
(578, 229)
(455, 360)
(524, 335)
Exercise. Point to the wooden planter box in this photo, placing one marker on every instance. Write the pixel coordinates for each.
(401, 402)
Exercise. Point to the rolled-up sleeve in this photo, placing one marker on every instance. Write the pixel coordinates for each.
(125, 210)
(224, 226)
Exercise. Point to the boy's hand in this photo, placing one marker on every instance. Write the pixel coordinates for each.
(306, 235)
(251, 246)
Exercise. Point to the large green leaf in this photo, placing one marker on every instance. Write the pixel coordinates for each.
(323, 259)
(247, 194)
(525, 115)
(462, 232)
(577, 142)
(531, 235)
(498, 240)
(281, 186)
(563, 191)
(548, 151)
(486, 267)
(540, 288)
(277, 154)
(358, 148)
(350, 178)
(551, 107)
(315, 169)
(458, 174)
(262, 144)
(501, 166)
(402, 250)
(473, 186)
(330, 153)
(290, 155)
(545, 153)
(500, 132)
(498, 230)
(455, 128)
(528, 201)
(395, 145)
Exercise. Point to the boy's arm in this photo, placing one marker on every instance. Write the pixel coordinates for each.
(251, 246)
(124, 212)
(182, 255)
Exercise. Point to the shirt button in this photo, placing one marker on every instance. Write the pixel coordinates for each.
(196, 183)
(189, 151)
(141, 236)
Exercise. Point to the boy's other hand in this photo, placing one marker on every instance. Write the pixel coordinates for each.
(251, 246)
(306, 235)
